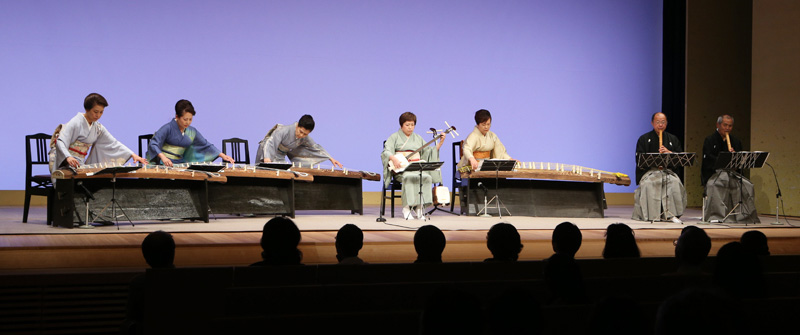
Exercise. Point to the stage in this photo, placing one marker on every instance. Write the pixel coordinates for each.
(234, 240)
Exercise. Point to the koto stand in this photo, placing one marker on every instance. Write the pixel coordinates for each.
(114, 203)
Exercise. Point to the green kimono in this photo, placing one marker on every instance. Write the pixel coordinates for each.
(400, 142)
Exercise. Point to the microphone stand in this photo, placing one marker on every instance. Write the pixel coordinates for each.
(87, 195)
(778, 197)
(485, 201)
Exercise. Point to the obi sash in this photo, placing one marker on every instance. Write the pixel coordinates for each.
(482, 154)
(172, 151)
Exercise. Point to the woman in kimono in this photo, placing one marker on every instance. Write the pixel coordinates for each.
(482, 143)
(71, 141)
(293, 141)
(178, 142)
(403, 142)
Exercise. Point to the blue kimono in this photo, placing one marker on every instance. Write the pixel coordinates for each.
(188, 147)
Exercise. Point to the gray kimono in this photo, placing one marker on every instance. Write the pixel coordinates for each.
(281, 142)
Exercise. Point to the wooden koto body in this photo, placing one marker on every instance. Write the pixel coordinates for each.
(249, 171)
(143, 173)
(593, 177)
(339, 173)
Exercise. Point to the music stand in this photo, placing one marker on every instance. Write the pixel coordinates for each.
(114, 203)
(275, 165)
(496, 165)
(739, 160)
(206, 167)
(422, 166)
(663, 161)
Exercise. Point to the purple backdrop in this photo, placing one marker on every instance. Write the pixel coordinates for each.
(566, 81)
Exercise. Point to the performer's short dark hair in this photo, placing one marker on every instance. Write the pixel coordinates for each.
(184, 106)
(94, 99)
(482, 116)
(306, 121)
(653, 118)
(407, 116)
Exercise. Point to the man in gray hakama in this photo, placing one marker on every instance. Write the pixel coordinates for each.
(661, 194)
(725, 188)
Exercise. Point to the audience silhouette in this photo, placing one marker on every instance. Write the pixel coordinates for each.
(567, 239)
(158, 249)
(279, 241)
(700, 311)
(429, 242)
(737, 271)
(504, 242)
(349, 241)
(564, 280)
(691, 250)
(756, 242)
(620, 242)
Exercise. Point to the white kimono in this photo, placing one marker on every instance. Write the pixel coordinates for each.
(76, 137)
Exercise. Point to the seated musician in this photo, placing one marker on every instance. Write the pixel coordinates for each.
(71, 141)
(482, 143)
(403, 142)
(721, 185)
(178, 142)
(660, 194)
(293, 141)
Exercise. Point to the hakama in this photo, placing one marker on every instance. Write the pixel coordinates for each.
(660, 196)
(723, 193)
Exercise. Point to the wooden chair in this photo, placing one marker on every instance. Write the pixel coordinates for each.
(394, 185)
(37, 184)
(456, 177)
(147, 139)
(236, 150)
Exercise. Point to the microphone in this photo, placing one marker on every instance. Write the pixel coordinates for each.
(86, 190)
(481, 185)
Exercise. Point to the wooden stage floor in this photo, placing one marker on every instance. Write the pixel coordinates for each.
(34, 247)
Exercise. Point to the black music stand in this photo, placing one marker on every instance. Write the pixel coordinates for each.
(275, 165)
(422, 166)
(495, 165)
(663, 161)
(738, 161)
(114, 203)
(206, 167)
